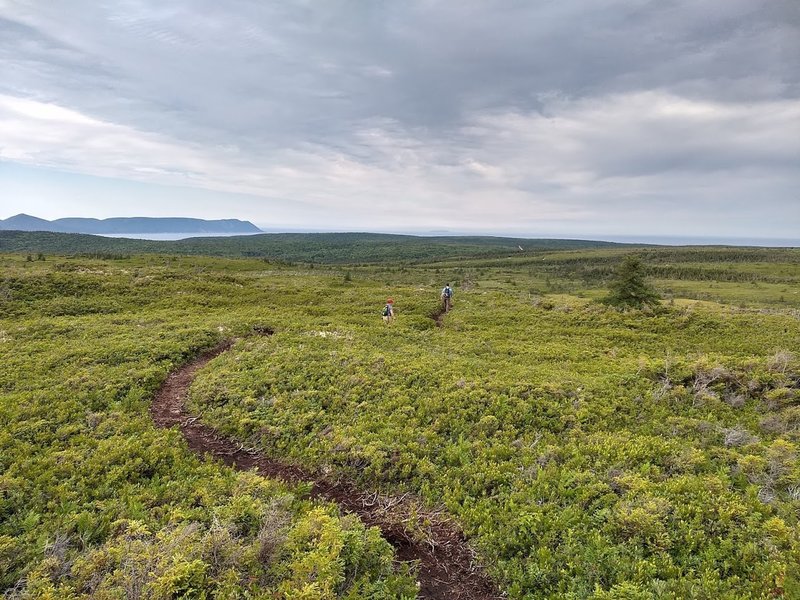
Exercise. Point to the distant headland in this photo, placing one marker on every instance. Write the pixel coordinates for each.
(129, 225)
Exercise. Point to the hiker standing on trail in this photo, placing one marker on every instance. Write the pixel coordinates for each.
(388, 311)
(447, 297)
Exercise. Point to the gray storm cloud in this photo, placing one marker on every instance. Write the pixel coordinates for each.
(550, 117)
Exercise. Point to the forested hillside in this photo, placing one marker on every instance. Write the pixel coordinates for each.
(292, 247)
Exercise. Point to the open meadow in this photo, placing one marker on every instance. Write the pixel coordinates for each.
(585, 452)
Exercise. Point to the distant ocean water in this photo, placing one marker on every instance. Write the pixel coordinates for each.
(168, 237)
(702, 241)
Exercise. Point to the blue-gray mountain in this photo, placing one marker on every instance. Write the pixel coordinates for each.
(122, 225)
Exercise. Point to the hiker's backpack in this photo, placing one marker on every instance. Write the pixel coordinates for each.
(448, 293)
(387, 311)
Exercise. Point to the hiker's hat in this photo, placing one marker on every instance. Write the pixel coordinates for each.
(390, 301)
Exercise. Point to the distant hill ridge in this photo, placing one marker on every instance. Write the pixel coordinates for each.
(123, 225)
(323, 248)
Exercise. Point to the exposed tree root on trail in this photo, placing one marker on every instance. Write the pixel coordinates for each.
(447, 568)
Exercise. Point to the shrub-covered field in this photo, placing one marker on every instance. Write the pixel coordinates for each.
(97, 503)
(586, 452)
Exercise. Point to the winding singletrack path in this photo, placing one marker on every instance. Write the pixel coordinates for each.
(447, 568)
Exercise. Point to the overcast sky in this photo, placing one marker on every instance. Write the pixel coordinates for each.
(528, 117)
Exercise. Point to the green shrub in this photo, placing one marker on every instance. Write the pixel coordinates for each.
(629, 288)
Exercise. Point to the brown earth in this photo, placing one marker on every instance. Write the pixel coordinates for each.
(438, 315)
(446, 565)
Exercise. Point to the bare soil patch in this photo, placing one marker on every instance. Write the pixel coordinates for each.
(438, 315)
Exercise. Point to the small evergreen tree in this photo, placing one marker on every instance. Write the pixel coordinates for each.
(629, 289)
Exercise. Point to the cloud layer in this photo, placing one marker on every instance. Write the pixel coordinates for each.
(623, 117)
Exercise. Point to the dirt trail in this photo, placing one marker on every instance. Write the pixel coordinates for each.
(438, 315)
(447, 567)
